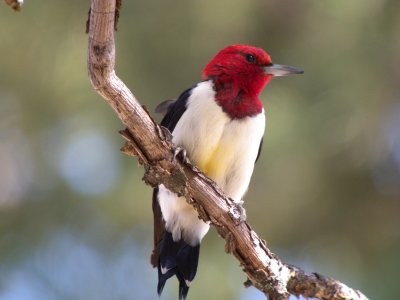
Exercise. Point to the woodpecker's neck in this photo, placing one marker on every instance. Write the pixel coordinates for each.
(237, 100)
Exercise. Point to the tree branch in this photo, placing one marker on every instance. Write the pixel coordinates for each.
(153, 146)
(15, 4)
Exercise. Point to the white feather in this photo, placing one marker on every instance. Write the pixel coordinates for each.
(224, 148)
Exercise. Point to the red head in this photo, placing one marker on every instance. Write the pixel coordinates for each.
(239, 74)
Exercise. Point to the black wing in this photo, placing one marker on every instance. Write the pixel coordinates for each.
(174, 111)
(259, 150)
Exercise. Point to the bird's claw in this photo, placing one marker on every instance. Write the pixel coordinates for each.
(180, 153)
(166, 133)
(238, 212)
(243, 215)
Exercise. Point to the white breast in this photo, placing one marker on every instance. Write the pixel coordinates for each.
(224, 149)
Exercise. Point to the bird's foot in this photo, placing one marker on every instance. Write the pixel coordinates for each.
(165, 133)
(238, 212)
(243, 215)
(181, 154)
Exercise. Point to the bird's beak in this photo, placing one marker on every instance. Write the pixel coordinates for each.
(281, 70)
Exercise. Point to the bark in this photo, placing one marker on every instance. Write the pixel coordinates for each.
(15, 4)
(155, 151)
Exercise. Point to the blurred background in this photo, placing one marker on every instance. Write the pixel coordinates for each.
(75, 216)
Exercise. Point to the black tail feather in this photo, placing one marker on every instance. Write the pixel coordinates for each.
(162, 279)
(183, 290)
(177, 258)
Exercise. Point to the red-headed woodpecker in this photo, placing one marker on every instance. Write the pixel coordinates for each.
(220, 123)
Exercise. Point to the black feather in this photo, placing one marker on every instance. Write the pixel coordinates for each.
(176, 110)
(259, 150)
(163, 107)
(181, 260)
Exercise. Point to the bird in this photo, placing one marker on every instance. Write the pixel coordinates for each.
(220, 123)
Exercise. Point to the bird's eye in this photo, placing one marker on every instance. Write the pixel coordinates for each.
(250, 58)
